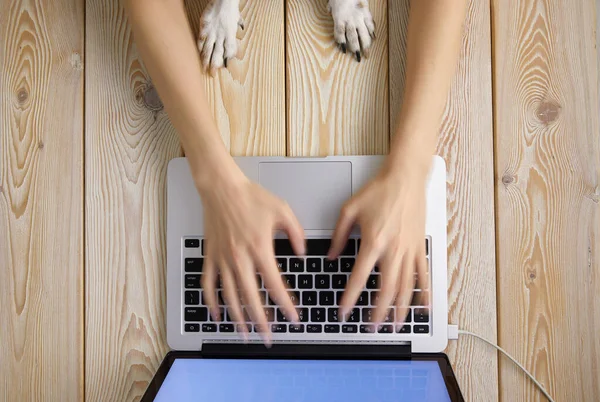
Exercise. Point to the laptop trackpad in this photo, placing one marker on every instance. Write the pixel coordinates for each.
(315, 190)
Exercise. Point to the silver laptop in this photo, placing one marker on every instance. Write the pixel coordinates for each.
(316, 189)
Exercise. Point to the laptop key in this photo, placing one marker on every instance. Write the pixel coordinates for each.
(404, 329)
(347, 264)
(338, 281)
(209, 327)
(366, 329)
(349, 329)
(332, 314)
(363, 299)
(421, 315)
(270, 313)
(317, 314)
(331, 266)
(326, 299)
(372, 282)
(296, 265)
(279, 328)
(192, 243)
(309, 298)
(283, 247)
(350, 248)
(303, 314)
(196, 314)
(386, 329)
(297, 329)
(332, 328)
(192, 327)
(318, 246)
(313, 265)
(193, 281)
(193, 264)
(240, 327)
(192, 297)
(225, 327)
(282, 264)
(322, 281)
(421, 329)
(290, 281)
(305, 281)
(367, 314)
(354, 315)
(314, 328)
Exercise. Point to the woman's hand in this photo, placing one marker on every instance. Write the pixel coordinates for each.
(240, 219)
(390, 211)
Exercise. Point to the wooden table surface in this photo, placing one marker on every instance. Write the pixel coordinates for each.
(84, 146)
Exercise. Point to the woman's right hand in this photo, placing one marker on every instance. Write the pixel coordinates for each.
(240, 219)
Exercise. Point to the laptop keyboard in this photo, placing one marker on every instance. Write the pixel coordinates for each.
(316, 286)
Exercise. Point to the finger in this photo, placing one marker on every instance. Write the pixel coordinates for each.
(390, 272)
(216, 60)
(339, 34)
(423, 278)
(275, 286)
(370, 24)
(209, 280)
(292, 227)
(365, 39)
(405, 289)
(234, 308)
(352, 36)
(360, 273)
(246, 280)
(342, 230)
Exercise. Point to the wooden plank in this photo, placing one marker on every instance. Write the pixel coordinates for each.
(129, 141)
(547, 183)
(248, 98)
(335, 105)
(41, 200)
(466, 143)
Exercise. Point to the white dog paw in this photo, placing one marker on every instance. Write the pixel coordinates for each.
(217, 42)
(354, 28)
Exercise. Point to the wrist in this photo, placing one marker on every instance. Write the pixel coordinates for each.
(410, 154)
(215, 170)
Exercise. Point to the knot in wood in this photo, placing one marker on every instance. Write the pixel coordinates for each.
(547, 112)
(151, 99)
(22, 95)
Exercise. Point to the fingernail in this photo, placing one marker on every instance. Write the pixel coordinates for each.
(343, 313)
(358, 56)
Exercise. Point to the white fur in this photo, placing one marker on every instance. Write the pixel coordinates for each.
(352, 21)
(353, 29)
(218, 30)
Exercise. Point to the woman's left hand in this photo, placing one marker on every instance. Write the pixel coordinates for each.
(390, 211)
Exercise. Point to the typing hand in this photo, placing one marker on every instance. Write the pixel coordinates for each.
(240, 220)
(390, 211)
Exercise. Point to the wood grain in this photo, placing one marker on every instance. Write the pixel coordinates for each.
(129, 141)
(547, 182)
(41, 201)
(335, 105)
(248, 98)
(466, 143)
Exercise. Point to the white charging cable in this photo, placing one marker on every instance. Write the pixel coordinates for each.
(453, 333)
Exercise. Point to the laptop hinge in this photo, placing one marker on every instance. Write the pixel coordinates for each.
(306, 351)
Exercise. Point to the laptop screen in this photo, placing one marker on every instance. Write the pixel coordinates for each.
(303, 380)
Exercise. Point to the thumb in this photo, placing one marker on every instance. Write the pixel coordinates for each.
(292, 227)
(342, 229)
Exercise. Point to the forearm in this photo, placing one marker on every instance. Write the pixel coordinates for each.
(166, 44)
(433, 45)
